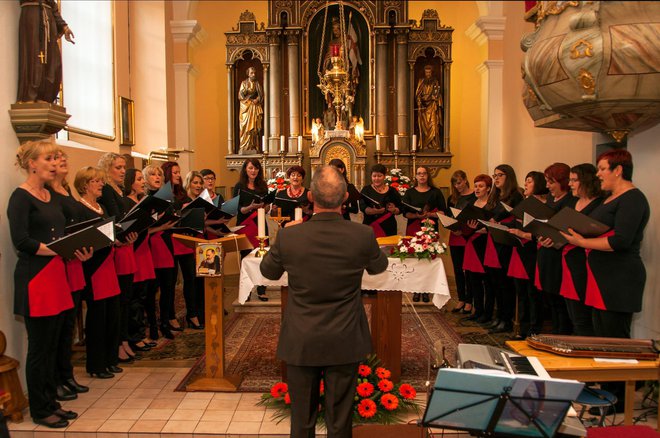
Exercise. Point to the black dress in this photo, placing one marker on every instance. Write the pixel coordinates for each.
(287, 208)
(431, 200)
(383, 224)
(250, 219)
(351, 205)
(457, 250)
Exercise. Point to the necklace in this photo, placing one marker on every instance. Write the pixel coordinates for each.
(296, 194)
(41, 194)
(384, 188)
(96, 209)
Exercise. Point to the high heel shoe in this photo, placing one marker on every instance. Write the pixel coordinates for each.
(75, 386)
(115, 369)
(174, 329)
(166, 332)
(192, 325)
(466, 311)
(102, 375)
(458, 308)
(136, 347)
(129, 359)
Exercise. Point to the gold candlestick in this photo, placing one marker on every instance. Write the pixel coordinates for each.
(262, 247)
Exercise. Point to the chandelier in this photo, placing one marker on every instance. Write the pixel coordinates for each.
(335, 82)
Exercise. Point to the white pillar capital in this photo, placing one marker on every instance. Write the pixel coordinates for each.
(185, 31)
(487, 28)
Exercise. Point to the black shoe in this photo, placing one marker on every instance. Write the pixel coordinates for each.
(136, 347)
(153, 332)
(467, 311)
(150, 344)
(473, 317)
(62, 393)
(416, 297)
(502, 327)
(224, 311)
(174, 329)
(483, 319)
(426, 298)
(115, 369)
(193, 325)
(458, 308)
(75, 386)
(53, 424)
(166, 332)
(261, 293)
(66, 415)
(490, 324)
(129, 359)
(102, 375)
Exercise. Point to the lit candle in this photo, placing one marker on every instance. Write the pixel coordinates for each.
(414, 142)
(282, 144)
(298, 215)
(396, 142)
(261, 221)
(299, 143)
(378, 142)
(263, 143)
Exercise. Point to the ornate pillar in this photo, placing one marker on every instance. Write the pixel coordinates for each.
(230, 113)
(294, 83)
(274, 79)
(266, 103)
(381, 82)
(401, 85)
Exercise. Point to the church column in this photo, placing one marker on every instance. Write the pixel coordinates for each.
(184, 34)
(230, 113)
(294, 84)
(274, 98)
(381, 82)
(401, 84)
(266, 103)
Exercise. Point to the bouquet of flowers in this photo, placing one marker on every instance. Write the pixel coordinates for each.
(423, 245)
(396, 179)
(279, 182)
(377, 399)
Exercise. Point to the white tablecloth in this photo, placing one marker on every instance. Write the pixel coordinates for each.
(410, 275)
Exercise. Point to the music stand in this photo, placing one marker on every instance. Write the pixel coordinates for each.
(492, 404)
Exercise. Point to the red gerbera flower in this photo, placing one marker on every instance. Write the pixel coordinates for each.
(364, 370)
(383, 373)
(407, 391)
(395, 178)
(287, 398)
(385, 385)
(389, 402)
(367, 408)
(279, 389)
(365, 389)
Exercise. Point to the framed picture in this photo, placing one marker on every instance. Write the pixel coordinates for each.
(209, 260)
(126, 122)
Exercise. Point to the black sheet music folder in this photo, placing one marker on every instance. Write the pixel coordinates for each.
(98, 235)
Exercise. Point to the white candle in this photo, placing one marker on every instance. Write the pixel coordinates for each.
(282, 144)
(264, 146)
(261, 222)
(299, 143)
(414, 142)
(298, 215)
(396, 142)
(378, 142)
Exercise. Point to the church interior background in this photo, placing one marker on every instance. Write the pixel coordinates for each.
(182, 63)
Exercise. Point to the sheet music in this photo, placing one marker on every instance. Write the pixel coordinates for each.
(108, 230)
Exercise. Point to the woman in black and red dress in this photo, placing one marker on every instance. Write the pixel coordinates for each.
(102, 287)
(209, 184)
(461, 195)
(251, 181)
(41, 291)
(351, 205)
(548, 258)
(381, 217)
(585, 187)
(295, 192)
(430, 201)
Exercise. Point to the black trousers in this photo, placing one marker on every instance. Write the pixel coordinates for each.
(63, 367)
(186, 263)
(125, 297)
(304, 385)
(581, 318)
(102, 330)
(166, 283)
(200, 299)
(611, 324)
(43, 340)
(150, 302)
(504, 292)
(136, 309)
(561, 322)
(482, 293)
(462, 286)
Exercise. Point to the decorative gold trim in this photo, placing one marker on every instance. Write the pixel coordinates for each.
(126, 122)
(581, 48)
(587, 82)
(619, 134)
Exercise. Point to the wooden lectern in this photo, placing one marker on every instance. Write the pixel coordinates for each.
(215, 378)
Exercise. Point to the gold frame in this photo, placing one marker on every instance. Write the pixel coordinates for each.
(126, 122)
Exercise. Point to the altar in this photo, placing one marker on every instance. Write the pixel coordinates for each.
(409, 275)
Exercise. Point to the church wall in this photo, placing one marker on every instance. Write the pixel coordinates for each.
(13, 329)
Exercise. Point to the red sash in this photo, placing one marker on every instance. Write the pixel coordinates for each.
(104, 280)
(181, 249)
(48, 292)
(251, 230)
(160, 252)
(75, 275)
(567, 287)
(471, 260)
(378, 230)
(455, 240)
(537, 277)
(516, 267)
(125, 260)
(594, 297)
(491, 258)
(145, 269)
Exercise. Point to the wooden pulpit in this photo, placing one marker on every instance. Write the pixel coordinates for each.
(215, 378)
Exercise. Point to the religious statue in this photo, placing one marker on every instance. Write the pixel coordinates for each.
(318, 132)
(356, 128)
(251, 112)
(39, 57)
(429, 105)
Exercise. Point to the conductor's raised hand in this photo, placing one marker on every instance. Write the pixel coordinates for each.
(293, 223)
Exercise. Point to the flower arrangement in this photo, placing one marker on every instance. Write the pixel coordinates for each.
(425, 244)
(397, 180)
(279, 182)
(377, 398)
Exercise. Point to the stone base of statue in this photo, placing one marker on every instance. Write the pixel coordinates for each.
(37, 121)
(249, 152)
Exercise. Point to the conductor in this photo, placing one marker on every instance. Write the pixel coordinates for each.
(324, 327)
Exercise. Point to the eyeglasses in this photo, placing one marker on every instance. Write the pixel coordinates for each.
(209, 178)
(498, 175)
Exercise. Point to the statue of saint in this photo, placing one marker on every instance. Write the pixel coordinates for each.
(429, 106)
(318, 131)
(39, 57)
(251, 97)
(356, 128)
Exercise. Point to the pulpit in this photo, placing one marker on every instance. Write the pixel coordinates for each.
(215, 378)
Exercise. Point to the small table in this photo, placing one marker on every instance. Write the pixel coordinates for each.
(588, 370)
